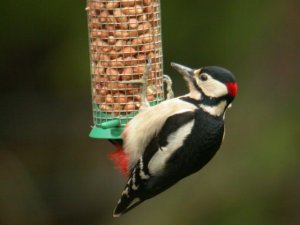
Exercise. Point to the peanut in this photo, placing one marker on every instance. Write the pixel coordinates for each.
(113, 54)
(132, 33)
(116, 109)
(154, 57)
(120, 98)
(105, 107)
(119, 44)
(137, 41)
(118, 62)
(130, 106)
(95, 5)
(120, 17)
(140, 69)
(113, 74)
(121, 85)
(133, 91)
(146, 38)
(141, 58)
(112, 4)
(129, 51)
(133, 23)
(150, 98)
(102, 92)
(144, 27)
(100, 45)
(143, 18)
(110, 28)
(94, 23)
(111, 40)
(103, 16)
(111, 19)
(121, 34)
(155, 67)
(109, 98)
(147, 2)
(127, 73)
(92, 12)
(99, 70)
(126, 3)
(99, 34)
(98, 99)
(150, 9)
(132, 11)
(123, 26)
(104, 60)
(130, 61)
(148, 47)
(112, 86)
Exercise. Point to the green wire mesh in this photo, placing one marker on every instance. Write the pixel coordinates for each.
(123, 36)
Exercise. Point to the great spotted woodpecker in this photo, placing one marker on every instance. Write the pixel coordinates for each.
(169, 141)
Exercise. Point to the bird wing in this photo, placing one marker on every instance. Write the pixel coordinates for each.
(147, 124)
(151, 165)
(169, 139)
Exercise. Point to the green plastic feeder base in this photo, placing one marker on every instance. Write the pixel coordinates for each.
(106, 133)
(108, 130)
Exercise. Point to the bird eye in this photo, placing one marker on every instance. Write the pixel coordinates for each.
(203, 77)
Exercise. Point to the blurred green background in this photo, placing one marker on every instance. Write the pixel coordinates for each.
(52, 173)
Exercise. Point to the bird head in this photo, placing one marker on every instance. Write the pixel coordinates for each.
(211, 85)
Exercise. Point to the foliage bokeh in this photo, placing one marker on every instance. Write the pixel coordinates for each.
(52, 173)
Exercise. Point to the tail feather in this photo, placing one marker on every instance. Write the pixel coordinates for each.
(120, 158)
(130, 197)
(126, 203)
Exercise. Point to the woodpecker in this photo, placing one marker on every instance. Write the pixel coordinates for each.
(176, 138)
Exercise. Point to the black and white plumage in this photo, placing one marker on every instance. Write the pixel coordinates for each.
(177, 137)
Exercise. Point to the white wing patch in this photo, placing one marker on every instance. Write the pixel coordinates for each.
(142, 128)
(175, 140)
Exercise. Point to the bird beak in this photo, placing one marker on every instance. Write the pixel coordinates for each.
(185, 71)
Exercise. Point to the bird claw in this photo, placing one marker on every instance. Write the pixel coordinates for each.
(169, 92)
(143, 83)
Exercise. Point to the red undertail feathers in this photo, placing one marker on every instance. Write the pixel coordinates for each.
(120, 159)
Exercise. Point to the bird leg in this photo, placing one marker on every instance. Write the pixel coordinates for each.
(142, 83)
(169, 92)
(144, 102)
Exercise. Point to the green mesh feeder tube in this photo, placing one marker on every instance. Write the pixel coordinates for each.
(124, 40)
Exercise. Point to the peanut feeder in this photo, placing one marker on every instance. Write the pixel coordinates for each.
(125, 50)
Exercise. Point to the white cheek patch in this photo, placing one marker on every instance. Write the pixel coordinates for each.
(212, 87)
(175, 141)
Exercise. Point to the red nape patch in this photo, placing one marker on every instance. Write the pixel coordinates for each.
(232, 88)
(120, 159)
